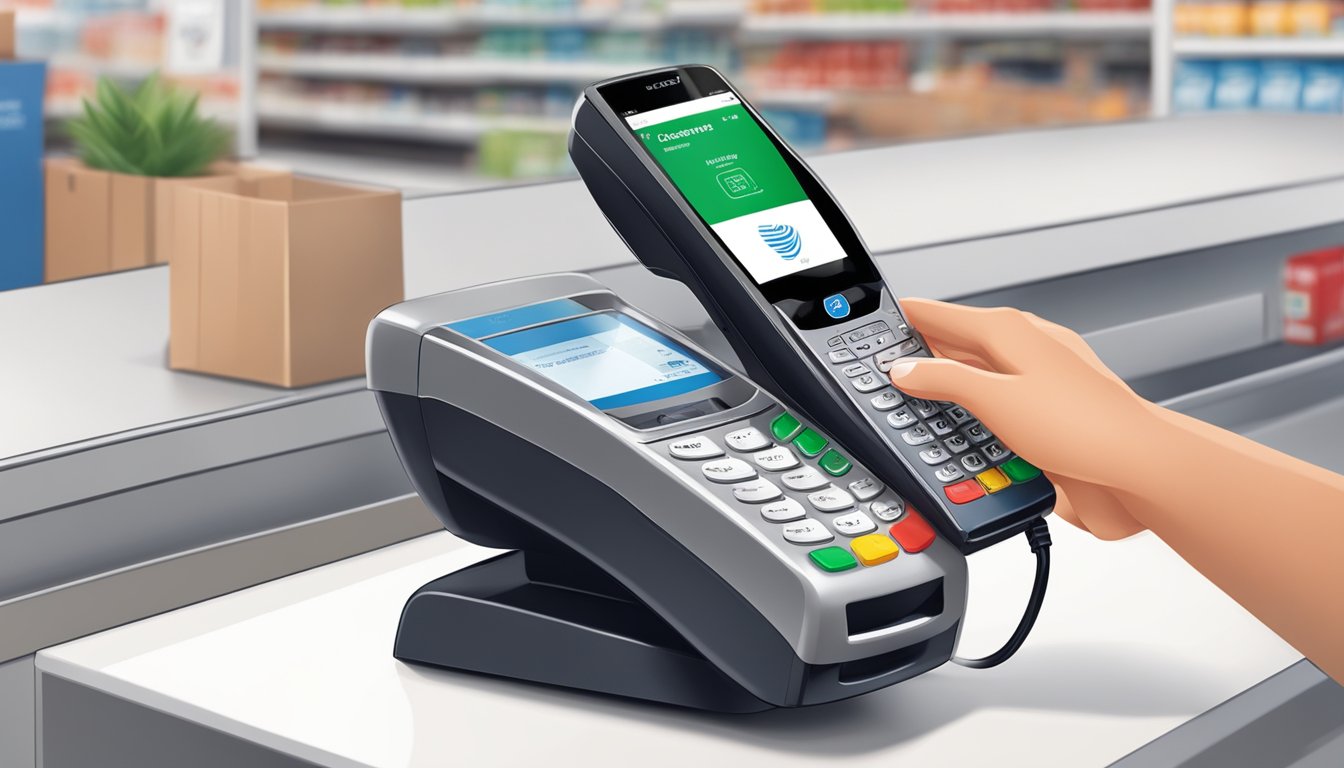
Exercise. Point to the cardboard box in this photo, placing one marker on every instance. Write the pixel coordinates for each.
(1313, 297)
(99, 221)
(275, 279)
(22, 84)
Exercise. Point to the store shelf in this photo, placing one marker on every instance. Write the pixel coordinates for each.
(117, 70)
(442, 71)
(464, 128)
(794, 98)
(436, 21)
(1258, 47)
(870, 26)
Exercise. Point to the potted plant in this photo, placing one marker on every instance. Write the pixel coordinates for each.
(110, 208)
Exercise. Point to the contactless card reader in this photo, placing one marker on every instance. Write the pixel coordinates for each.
(702, 190)
(680, 536)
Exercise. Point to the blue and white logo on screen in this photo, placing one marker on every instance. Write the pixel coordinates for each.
(837, 306)
(782, 239)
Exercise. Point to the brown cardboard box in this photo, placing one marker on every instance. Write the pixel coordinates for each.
(275, 279)
(6, 34)
(99, 221)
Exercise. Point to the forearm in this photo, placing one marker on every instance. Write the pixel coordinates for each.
(1268, 529)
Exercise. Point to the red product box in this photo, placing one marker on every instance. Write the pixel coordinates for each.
(1313, 297)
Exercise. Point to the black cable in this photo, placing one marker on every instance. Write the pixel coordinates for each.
(1038, 535)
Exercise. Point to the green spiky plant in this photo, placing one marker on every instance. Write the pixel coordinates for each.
(152, 130)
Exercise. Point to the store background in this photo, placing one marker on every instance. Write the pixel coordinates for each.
(430, 95)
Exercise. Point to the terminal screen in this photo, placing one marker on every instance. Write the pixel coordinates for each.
(608, 359)
(728, 169)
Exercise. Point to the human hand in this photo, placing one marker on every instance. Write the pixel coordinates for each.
(1045, 393)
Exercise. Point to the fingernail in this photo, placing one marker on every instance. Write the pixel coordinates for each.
(901, 370)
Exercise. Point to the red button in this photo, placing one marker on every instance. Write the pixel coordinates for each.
(966, 490)
(912, 532)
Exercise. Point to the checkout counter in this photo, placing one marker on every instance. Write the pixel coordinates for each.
(253, 547)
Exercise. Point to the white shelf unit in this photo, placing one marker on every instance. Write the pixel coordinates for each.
(478, 70)
(869, 26)
(1258, 47)
(436, 21)
(463, 128)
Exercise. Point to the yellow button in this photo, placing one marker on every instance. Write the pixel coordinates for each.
(993, 480)
(874, 549)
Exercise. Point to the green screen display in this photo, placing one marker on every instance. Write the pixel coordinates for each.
(731, 173)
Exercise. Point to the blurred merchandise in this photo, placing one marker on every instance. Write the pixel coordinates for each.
(1313, 297)
(1264, 18)
(21, 141)
(312, 262)
(1279, 85)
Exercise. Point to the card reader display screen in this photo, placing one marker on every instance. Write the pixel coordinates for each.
(608, 359)
(729, 170)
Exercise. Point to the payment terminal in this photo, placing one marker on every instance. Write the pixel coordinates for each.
(677, 534)
(702, 190)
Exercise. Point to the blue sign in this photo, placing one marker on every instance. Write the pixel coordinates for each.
(21, 191)
(837, 306)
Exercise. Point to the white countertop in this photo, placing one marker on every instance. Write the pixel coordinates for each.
(1131, 643)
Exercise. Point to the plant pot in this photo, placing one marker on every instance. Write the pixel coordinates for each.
(99, 221)
(275, 279)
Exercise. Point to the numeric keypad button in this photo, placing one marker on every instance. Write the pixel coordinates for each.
(887, 400)
(854, 524)
(887, 509)
(728, 470)
(831, 499)
(745, 440)
(901, 418)
(841, 356)
(995, 451)
(869, 382)
(934, 455)
(918, 435)
(783, 511)
(806, 531)
(855, 369)
(958, 415)
(923, 408)
(775, 459)
(949, 473)
(941, 425)
(977, 433)
(956, 444)
(974, 462)
(804, 479)
(698, 447)
(865, 489)
(757, 491)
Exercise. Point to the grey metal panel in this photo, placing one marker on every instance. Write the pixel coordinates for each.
(103, 467)
(143, 589)
(1168, 341)
(18, 713)
(82, 727)
(1295, 718)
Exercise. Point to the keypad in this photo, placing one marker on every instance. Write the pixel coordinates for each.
(973, 462)
(934, 455)
(1019, 470)
(831, 499)
(900, 419)
(994, 451)
(887, 509)
(993, 480)
(855, 369)
(841, 356)
(923, 408)
(869, 382)
(874, 549)
(941, 425)
(913, 533)
(776, 459)
(956, 444)
(835, 463)
(806, 531)
(785, 426)
(887, 400)
(728, 470)
(811, 442)
(918, 435)
(833, 559)
(749, 439)
(804, 479)
(949, 473)
(977, 434)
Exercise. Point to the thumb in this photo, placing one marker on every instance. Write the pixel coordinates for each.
(935, 378)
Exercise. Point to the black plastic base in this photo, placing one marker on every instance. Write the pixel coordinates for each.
(560, 622)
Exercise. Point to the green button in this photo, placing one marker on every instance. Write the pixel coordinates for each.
(785, 426)
(1018, 470)
(834, 463)
(832, 559)
(811, 442)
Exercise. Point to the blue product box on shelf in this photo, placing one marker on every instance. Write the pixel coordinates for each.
(1192, 88)
(1323, 87)
(1280, 86)
(1236, 86)
(21, 196)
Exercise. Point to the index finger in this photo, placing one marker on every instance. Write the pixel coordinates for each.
(956, 327)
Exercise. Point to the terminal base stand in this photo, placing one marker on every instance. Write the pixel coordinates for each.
(557, 620)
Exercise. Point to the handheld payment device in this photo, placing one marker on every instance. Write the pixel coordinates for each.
(702, 190)
(680, 536)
